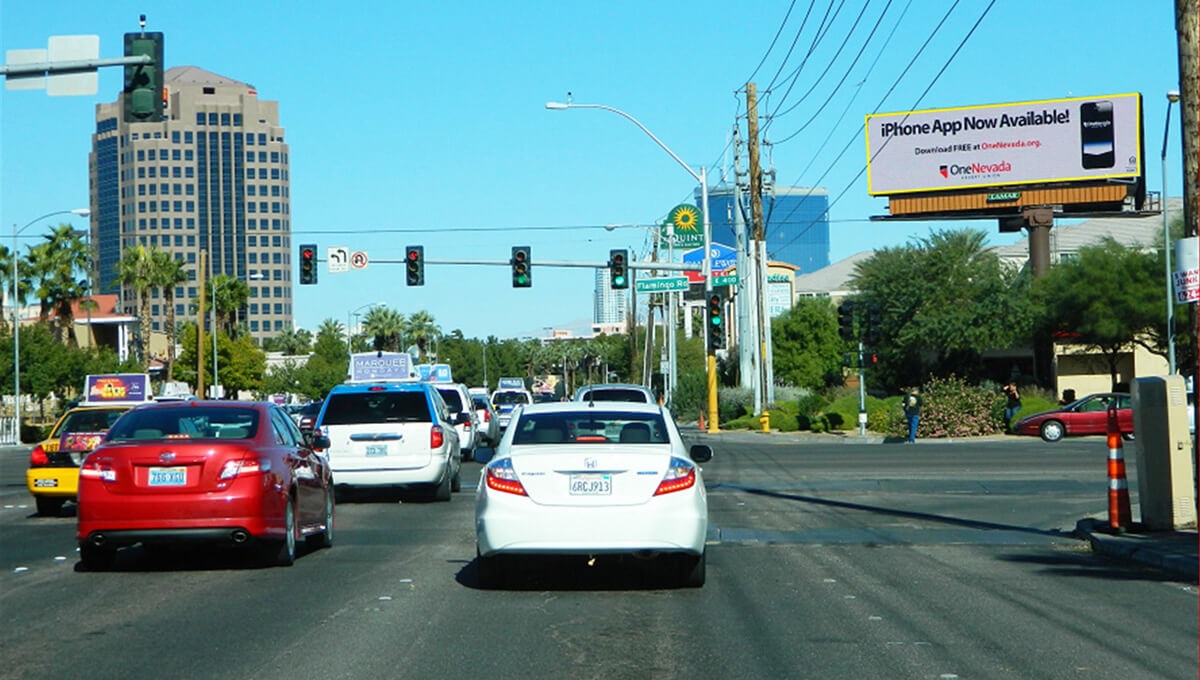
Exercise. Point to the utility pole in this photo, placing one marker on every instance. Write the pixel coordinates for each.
(200, 269)
(758, 268)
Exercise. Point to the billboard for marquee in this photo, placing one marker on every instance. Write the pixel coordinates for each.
(1052, 140)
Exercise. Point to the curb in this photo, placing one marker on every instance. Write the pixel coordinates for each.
(1173, 552)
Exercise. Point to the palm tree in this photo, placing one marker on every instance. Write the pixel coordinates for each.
(170, 272)
(422, 330)
(57, 263)
(136, 269)
(229, 294)
(290, 341)
(386, 325)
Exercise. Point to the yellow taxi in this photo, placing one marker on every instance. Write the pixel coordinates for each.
(53, 475)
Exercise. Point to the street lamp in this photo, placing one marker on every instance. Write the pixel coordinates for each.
(706, 268)
(16, 315)
(1172, 97)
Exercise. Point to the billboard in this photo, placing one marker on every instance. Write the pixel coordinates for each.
(1053, 140)
(373, 366)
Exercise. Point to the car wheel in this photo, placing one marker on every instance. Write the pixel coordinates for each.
(325, 538)
(456, 480)
(95, 558)
(441, 491)
(49, 507)
(283, 553)
(692, 570)
(489, 572)
(1052, 431)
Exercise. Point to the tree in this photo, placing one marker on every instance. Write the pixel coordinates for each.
(169, 272)
(421, 330)
(229, 294)
(291, 341)
(807, 350)
(1105, 299)
(944, 300)
(59, 265)
(386, 326)
(136, 269)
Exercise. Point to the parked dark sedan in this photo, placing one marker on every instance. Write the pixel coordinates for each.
(1088, 415)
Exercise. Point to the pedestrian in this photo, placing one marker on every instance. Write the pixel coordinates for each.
(1012, 404)
(912, 413)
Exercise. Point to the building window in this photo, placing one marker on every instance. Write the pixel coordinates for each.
(200, 118)
(225, 119)
(212, 118)
(187, 136)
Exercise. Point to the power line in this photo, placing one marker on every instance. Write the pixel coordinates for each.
(795, 40)
(822, 31)
(771, 47)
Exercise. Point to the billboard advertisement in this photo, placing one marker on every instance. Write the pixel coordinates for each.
(1053, 140)
(372, 366)
(119, 387)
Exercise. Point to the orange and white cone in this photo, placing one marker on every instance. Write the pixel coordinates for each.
(1120, 516)
(702, 427)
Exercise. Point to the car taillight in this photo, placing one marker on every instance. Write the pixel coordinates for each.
(247, 465)
(97, 469)
(487, 416)
(436, 437)
(681, 475)
(38, 456)
(502, 477)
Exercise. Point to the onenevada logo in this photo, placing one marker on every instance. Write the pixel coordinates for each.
(975, 170)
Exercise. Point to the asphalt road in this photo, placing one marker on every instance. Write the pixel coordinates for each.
(826, 560)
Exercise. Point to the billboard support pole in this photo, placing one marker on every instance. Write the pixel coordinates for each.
(1038, 221)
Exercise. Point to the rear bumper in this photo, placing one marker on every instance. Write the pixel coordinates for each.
(231, 535)
(383, 477)
(124, 519)
(56, 482)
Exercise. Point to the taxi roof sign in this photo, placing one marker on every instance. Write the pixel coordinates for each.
(116, 388)
(381, 366)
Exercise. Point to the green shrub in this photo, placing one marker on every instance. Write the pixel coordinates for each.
(952, 408)
(734, 402)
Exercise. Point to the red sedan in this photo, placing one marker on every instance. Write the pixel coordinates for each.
(1082, 416)
(204, 471)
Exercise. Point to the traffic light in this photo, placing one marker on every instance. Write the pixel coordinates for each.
(144, 82)
(874, 323)
(716, 322)
(618, 272)
(414, 265)
(845, 313)
(521, 276)
(308, 264)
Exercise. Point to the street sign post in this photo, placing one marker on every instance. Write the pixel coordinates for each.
(661, 285)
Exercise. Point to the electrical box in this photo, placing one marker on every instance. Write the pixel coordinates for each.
(1166, 486)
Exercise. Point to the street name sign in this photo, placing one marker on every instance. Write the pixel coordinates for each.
(660, 285)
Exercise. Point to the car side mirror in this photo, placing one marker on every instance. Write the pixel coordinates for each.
(482, 455)
(319, 443)
(700, 453)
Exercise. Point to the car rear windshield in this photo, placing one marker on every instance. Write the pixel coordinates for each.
(90, 420)
(452, 398)
(588, 427)
(507, 398)
(480, 401)
(615, 394)
(356, 408)
(186, 422)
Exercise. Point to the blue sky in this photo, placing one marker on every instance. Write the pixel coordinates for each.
(424, 123)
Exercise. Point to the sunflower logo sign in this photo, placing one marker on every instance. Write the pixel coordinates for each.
(685, 221)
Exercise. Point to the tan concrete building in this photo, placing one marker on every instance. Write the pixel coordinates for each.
(212, 176)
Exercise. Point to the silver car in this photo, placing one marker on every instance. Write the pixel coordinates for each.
(489, 421)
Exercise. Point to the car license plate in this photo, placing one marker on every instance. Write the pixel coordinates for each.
(45, 483)
(377, 450)
(591, 485)
(172, 476)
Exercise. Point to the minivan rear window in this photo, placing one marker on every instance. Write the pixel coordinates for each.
(354, 408)
(615, 394)
(508, 398)
(452, 398)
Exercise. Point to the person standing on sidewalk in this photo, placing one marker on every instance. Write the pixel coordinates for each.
(1012, 404)
(912, 413)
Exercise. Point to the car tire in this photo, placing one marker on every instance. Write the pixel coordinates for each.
(49, 507)
(456, 480)
(283, 553)
(1052, 431)
(96, 558)
(441, 491)
(692, 570)
(325, 538)
(489, 572)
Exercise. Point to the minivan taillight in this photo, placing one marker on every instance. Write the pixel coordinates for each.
(436, 437)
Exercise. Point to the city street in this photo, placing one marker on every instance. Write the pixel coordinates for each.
(827, 559)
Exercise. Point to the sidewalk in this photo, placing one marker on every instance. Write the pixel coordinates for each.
(1176, 552)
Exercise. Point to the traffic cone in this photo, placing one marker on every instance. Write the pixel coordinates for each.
(1119, 514)
(702, 427)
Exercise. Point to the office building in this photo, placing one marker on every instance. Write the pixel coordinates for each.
(611, 306)
(211, 176)
(795, 223)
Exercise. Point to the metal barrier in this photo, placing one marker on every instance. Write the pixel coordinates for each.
(8, 431)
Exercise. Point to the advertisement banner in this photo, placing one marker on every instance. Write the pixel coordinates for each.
(118, 387)
(1053, 140)
(369, 366)
(1187, 270)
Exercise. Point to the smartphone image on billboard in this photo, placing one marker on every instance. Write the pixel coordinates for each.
(1096, 134)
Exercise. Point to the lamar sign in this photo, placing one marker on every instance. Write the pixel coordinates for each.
(1053, 140)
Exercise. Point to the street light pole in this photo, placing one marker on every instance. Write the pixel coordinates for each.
(1172, 97)
(16, 312)
(706, 269)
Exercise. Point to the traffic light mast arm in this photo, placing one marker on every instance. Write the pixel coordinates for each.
(47, 67)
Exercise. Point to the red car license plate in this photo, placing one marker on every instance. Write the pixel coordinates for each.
(172, 476)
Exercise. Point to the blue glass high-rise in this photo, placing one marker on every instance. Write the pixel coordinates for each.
(795, 223)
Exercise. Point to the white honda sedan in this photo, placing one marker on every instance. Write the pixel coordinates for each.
(593, 479)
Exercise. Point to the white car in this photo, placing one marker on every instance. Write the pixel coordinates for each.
(506, 400)
(616, 392)
(593, 479)
(458, 400)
